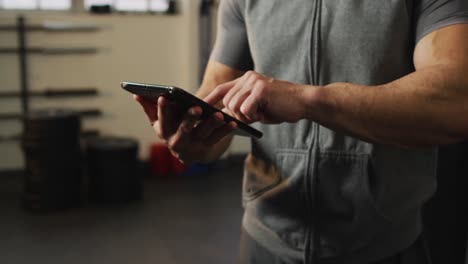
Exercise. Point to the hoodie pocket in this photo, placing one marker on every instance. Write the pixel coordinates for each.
(259, 177)
(348, 216)
(274, 196)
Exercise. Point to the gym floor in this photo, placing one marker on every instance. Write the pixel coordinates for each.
(191, 219)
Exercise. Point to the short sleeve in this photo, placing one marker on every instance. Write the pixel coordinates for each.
(435, 14)
(232, 46)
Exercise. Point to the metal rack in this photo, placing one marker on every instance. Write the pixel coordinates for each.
(22, 50)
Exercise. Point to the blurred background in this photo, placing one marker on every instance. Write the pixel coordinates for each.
(83, 177)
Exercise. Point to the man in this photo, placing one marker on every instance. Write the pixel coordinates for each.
(351, 96)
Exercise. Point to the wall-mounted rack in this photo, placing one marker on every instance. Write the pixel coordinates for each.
(54, 26)
(50, 51)
(22, 50)
(91, 112)
(53, 92)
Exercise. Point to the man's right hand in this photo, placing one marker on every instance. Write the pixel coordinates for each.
(188, 138)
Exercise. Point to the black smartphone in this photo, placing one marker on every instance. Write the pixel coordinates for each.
(187, 100)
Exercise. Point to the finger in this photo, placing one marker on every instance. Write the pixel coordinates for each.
(233, 99)
(179, 141)
(220, 133)
(243, 84)
(254, 105)
(219, 92)
(237, 101)
(168, 117)
(239, 116)
(206, 127)
(149, 107)
(140, 98)
(227, 111)
(190, 119)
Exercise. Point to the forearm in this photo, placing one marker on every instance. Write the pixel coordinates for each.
(427, 107)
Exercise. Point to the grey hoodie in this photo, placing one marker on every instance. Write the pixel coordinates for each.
(307, 187)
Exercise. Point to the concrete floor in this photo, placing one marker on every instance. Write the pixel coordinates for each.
(192, 219)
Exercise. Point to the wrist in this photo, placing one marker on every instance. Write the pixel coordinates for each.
(314, 102)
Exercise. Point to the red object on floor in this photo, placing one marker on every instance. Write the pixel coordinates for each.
(177, 166)
(163, 163)
(160, 160)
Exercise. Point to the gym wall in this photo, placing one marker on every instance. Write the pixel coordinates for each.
(136, 47)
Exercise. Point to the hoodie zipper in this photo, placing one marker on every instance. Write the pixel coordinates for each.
(312, 180)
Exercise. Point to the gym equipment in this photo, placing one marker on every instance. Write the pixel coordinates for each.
(51, 148)
(112, 170)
